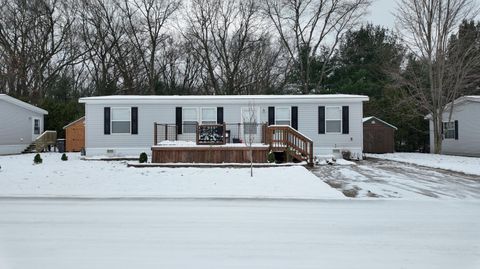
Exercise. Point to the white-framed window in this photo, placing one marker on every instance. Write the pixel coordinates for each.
(36, 126)
(121, 120)
(209, 115)
(333, 119)
(250, 118)
(449, 130)
(189, 119)
(282, 116)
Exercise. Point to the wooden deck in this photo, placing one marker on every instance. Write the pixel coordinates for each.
(212, 144)
(209, 154)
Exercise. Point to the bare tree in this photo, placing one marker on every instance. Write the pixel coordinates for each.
(36, 41)
(308, 28)
(426, 27)
(146, 22)
(250, 129)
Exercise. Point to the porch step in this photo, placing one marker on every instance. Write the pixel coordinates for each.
(30, 148)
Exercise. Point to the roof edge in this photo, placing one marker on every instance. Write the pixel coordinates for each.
(15, 101)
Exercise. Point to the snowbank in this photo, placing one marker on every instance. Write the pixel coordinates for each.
(467, 165)
(78, 178)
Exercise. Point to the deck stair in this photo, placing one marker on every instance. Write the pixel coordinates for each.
(283, 138)
(43, 142)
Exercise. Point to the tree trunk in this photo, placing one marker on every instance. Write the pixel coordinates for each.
(437, 134)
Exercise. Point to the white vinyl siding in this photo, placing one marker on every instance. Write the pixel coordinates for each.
(189, 119)
(333, 119)
(209, 115)
(97, 143)
(120, 120)
(282, 116)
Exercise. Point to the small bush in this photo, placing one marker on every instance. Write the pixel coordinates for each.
(271, 157)
(64, 157)
(143, 157)
(346, 154)
(37, 159)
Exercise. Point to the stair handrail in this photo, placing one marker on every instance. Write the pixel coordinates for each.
(47, 138)
(289, 136)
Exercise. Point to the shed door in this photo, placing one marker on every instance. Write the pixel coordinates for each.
(76, 137)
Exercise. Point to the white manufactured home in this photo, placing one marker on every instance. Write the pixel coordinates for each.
(461, 129)
(127, 125)
(21, 124)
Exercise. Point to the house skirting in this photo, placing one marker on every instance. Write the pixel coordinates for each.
(12, 149)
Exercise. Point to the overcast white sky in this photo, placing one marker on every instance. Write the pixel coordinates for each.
(381, 13)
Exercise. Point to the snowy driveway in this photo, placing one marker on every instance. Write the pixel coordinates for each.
(159, 233)
(391, 179)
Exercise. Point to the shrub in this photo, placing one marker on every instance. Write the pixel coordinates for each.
(346, 154)
(143, 157)
(271, 157)
(37, 159)
(64, 157)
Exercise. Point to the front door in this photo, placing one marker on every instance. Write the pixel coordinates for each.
(35, 128)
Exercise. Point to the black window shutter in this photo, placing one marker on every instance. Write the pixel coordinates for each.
(321, 119)
(106, 120)
(220, 115)
(345, 120)
(295, 117)
(271, 115)
(178, 119)
(134, 120)
(456, 130)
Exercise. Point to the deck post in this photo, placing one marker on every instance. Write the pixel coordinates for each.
(166, 131)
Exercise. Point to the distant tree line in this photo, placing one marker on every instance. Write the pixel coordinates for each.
(54, 51)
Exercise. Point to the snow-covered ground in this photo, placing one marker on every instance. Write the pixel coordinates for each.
(79, 178)
(77, 234)
(376, 178)
(468, 165)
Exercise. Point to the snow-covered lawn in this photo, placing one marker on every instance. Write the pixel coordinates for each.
(277, 234)
(468, 165)
(79, 178)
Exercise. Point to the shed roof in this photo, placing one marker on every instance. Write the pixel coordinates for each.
(73, 122)
(22, 104)
(223, 98)
(384, 122)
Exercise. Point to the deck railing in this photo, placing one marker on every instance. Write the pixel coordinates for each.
(212, 134)
(285, 138)
(162, 132)
(46, 139)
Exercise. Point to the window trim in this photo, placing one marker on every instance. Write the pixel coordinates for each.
(111, 120)
(197, 114)
(340, 119)
(289, 115)
(445, 130)
(201, 114)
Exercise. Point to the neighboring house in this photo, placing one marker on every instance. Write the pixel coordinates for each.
(124, 125)
(461, 131)
(75, 135)
(378, 136)
(21, 124)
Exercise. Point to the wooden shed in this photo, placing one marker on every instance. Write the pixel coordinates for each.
(75, 135)
(378, 136)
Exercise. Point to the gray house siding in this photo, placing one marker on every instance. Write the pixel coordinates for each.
(17, 127)
(97, 143)
(468, 142)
